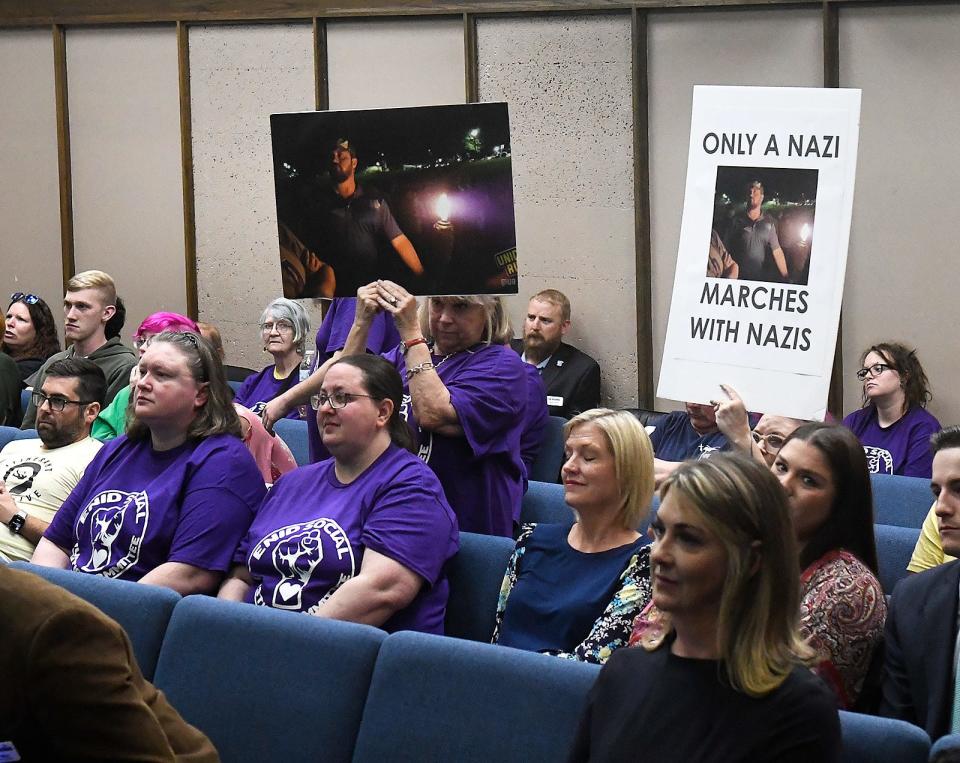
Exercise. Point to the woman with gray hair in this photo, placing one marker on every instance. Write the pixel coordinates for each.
(284, 327)
(464, 396)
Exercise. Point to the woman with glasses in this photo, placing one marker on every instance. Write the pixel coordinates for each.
(363, 536)
(29, 333)
(823, 470)
(764, 441)
(894, 425)
(113, 419)
(167, 502)
(284, 327)
(722, 674)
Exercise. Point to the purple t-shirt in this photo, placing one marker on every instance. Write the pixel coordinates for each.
(481, 471)
(310, 534)
(136, 508)
(901, 448)
(331, 336)
(535, 421)
(260, 388)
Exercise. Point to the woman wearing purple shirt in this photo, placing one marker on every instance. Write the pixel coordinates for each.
(465, 396)
(284, 327)
(893, 425)
(167, 502)
(363, 536)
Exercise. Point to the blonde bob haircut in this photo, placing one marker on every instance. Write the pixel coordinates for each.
(743, 504)
(632, 459)
(497, 330)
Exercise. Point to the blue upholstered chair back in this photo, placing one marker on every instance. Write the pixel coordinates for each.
(143, 611)
(868, 739)
(25, 399)
(546, 466)
(7, 434)
(475, 575)
(440, 699)
(894, 549)
(267, 685)
(543, 502)
(901, 501)
(294, 434)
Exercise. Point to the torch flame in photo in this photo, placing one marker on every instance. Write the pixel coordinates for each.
(805, 233)
(443, 208)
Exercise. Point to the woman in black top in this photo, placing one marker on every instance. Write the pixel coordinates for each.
(720, 675)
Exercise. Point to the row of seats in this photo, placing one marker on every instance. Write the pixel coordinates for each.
(267, 685)
(544, 502)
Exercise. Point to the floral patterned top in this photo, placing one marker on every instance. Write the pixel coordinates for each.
(842, 612)
(611, 630)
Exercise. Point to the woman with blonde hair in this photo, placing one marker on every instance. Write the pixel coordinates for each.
(464, 396)
(722, 676)
(574, 592)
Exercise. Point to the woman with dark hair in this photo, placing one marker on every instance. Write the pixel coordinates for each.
(465, 396)
(723, 675)
(823, 469)
(29, 334)
(363, 536)
(167, 502)
(893, 425)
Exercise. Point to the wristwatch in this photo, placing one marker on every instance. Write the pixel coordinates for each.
(17, 521)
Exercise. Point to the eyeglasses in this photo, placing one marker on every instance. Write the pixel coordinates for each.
(142, 342)
(873, 371)
(772, 442)
(336, 400)
(56, 403)
(19, 296)
(281, 327)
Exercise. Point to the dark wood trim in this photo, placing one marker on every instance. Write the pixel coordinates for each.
(641, 209)
(64, 163)
(77, 12)
(186, 164)
(471, 62)
(831, 78)
(321, 70)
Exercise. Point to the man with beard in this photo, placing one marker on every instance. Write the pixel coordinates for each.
(754, 244)
(572, 378)
(355, 232)
(37, 475)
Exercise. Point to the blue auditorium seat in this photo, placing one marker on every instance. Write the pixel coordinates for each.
(894, 549)
(546, 466)
(143, 611)
(234, 385)
(901, 501)
(267, 685)
(441, 699)
(7, 434)
(294, 434)
(868, 739)
(475, 575)
(25, 400)
(543, 502)
(950, 742)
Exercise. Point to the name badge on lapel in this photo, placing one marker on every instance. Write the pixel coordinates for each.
(554, 400)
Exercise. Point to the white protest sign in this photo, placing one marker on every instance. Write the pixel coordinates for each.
(763, 247)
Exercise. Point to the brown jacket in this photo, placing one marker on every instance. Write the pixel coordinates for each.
(71, 686)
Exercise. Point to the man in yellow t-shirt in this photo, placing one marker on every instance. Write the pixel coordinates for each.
(37, 475)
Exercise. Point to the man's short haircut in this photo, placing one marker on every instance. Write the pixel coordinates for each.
(91, 383)
(755, 184)
(557, 298)
(945, 438)
(345, 144)
(95, 279)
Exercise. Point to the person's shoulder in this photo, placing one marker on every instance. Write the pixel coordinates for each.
(921, 418)
(914, 588)
(400, 465)
(517, 346)
(858, 417)
(803, 694)
(113, 348)
(22, 447)
(836, 569)
(568, 353)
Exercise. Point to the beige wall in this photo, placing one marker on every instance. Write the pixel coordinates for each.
(567, 79)
(729, 48)
(125, 144)
(567, 82)
(29, 193)
(239, 75)
(902, 282)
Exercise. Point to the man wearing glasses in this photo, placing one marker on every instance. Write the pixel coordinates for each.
(37, 475)
(89, 305)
